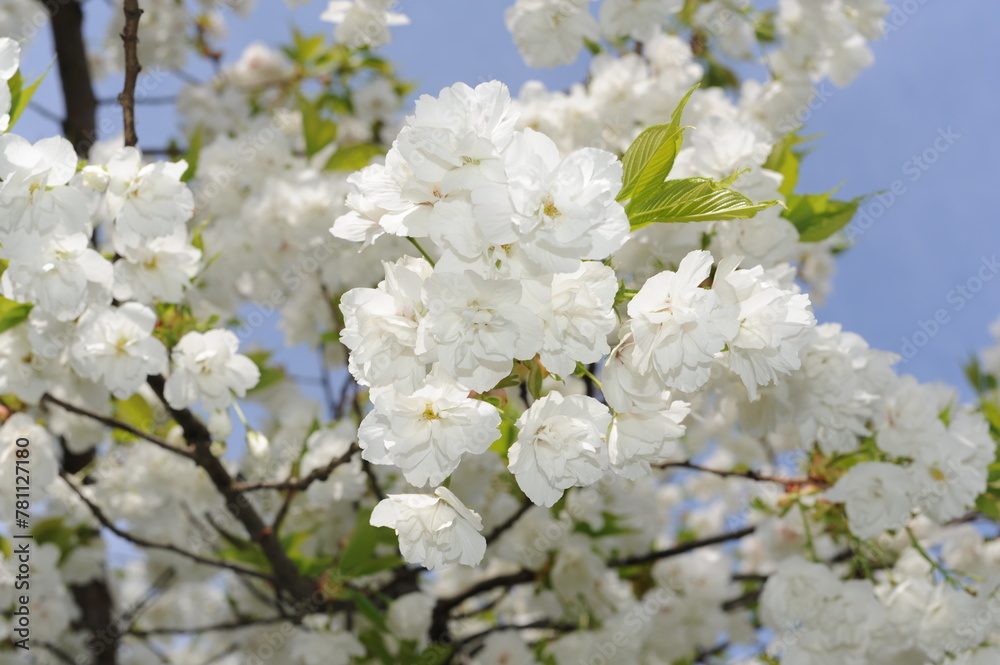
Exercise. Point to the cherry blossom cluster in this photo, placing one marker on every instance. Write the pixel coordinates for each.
(818, 38)
(518, 230)
(90, 327)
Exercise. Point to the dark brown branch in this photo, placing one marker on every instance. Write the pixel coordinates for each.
(116, 424)
(705, 654)
(130, 39)
(218, 627)
(373, 480)
(80, 127)
(167, 547)
(80, 123)
(286, 505)
(286, 575)
(149, 100)
(681, 549)
(509, 522)
(328, 393)
(725, 473)
(300, 484)
(58, 653)
(548, 624)
(440, 616)
(747, 599)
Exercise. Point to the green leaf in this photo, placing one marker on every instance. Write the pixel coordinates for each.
(53, 530)
(360, 549)
(764, 28)
(508, 432)
(980, 380)
(269, 374)
(436, 654)
(989, 506)
(592, 46)
(374, 644)
(609, 527)
(193, 153)
(376, 565)
(651, 156)
(12, 313)
(317, 130)
(508, 381)
(718, 75)
(137, 412)
(691, 200)
(786, 160)
(365, 607)
(305, 50)
(817, 216)
(352, 157)
(535, 380)
(20, 95)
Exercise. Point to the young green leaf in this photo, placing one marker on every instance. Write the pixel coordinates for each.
(651, 156)
(817, 216)
(12, 313)
(20, 95)
(352, 157)
(691, 200)
(317, 130)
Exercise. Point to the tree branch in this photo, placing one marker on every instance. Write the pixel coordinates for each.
(681, 549)
(301, 484)
(439, 617)
(116, 424)
(218, 627)
(142, 542)
(80, 123)
(130, 39)
(286, 575)
(548, 624)
(509, 522)
(725, 473)
(80, 127)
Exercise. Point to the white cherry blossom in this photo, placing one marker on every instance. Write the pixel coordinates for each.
(560, 444)
(427, 433)
(207, 368)
(115, 347)
(433, 529)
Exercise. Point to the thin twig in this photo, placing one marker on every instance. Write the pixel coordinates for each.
(142, 542)
(286, 575)
(444, 606)
(218, 627)
(728, 473)
(158, 586)
(547, 624)
(373, 480)
(58, 653)
(286, 504)
(328, 393)
(681, 549)
(153, 101)
(45, 113)
(130, 39)
(117, 424)
(300, 484)
(509, 522)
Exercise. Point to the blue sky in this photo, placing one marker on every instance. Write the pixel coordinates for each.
(920, 124)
